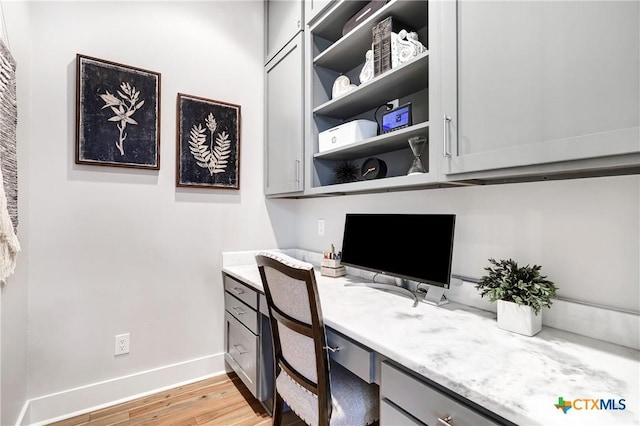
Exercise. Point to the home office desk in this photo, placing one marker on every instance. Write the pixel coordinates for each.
(457, 356)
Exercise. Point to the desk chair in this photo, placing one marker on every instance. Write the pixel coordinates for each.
(318, 390)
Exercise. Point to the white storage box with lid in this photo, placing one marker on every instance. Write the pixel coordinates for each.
(346, 134)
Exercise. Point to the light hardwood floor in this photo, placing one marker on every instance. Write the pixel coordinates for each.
(222, 400)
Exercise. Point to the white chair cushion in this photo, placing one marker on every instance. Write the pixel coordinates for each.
(355, 402)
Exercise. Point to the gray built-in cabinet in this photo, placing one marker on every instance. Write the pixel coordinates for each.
(539, 87)
(284, 20)
(284, 116)
(284, 99)
(247, 339)
(505, 91)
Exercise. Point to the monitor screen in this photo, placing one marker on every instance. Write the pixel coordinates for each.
(417, 247)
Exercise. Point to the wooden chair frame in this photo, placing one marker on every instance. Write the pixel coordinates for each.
(316, 331)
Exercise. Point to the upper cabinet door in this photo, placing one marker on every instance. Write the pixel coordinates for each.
(313, 7)
(528, 83)
(284, 120)
(284, 21)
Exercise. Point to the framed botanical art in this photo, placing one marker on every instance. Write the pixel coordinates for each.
(117, 114)
(208, 143)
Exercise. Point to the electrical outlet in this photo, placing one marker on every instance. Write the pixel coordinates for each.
(122, 344)
(321, 227)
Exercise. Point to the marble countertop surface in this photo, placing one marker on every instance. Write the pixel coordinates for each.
(517, 377)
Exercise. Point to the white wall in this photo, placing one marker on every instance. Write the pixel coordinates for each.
(120, 250)
(13, 369)
(585, 232)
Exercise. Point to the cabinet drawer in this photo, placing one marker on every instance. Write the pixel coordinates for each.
(424, 402)
(242, 312)
(354, 357)
(241, 352)
(241, 291)
(392, 416)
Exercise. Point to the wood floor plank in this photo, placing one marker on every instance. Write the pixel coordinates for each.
(119, 417)
(219, 401)
(82, 419)
(222, 388)
(190, 408)
(160, 396)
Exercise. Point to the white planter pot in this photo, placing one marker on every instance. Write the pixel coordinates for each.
(518, 318)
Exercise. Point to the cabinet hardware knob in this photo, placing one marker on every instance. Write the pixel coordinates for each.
(298, 23)
(238, 310)
(333, 349)
(298, 171)
(445, 139)
(238, 290)
(447, 421)
(241, 350)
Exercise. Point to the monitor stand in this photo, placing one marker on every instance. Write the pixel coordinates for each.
(435, 296)
(387, 287)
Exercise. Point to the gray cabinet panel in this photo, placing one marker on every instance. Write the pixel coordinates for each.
(247, 338)
(242, 352)
(284, 21)
(356, 358)
(241, 291)
(394, 416)
(284, 118)
(424, 402)
(539, 82)
(313, 7)
(242, 312)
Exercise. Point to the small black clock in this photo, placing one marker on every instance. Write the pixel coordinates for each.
(373, 168)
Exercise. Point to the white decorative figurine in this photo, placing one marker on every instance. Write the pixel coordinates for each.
(404, 47)
(341, 86)
(367, 70)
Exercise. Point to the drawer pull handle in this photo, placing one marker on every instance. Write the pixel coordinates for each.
(238, 310)
(334, 350)
(241, 350)
(446, 421)
(238, 290)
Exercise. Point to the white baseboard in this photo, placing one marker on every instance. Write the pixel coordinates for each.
(84, 399)
(23, 417)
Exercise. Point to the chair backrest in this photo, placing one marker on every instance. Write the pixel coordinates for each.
(296, 325)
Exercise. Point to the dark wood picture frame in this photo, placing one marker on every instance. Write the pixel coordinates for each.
(117, 114)
(208, 143)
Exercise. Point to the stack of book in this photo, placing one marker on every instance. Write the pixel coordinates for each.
(382, 46)
(386, 45)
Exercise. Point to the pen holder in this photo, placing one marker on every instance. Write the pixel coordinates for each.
(330, 263)
(332, 268)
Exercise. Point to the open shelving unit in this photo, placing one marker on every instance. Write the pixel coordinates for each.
(330, 54)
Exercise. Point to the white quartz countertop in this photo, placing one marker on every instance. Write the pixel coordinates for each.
(517, 377)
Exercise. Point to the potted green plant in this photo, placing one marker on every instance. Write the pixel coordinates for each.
(521, 293)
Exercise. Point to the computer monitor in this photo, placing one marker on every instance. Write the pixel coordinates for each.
(417, 247)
